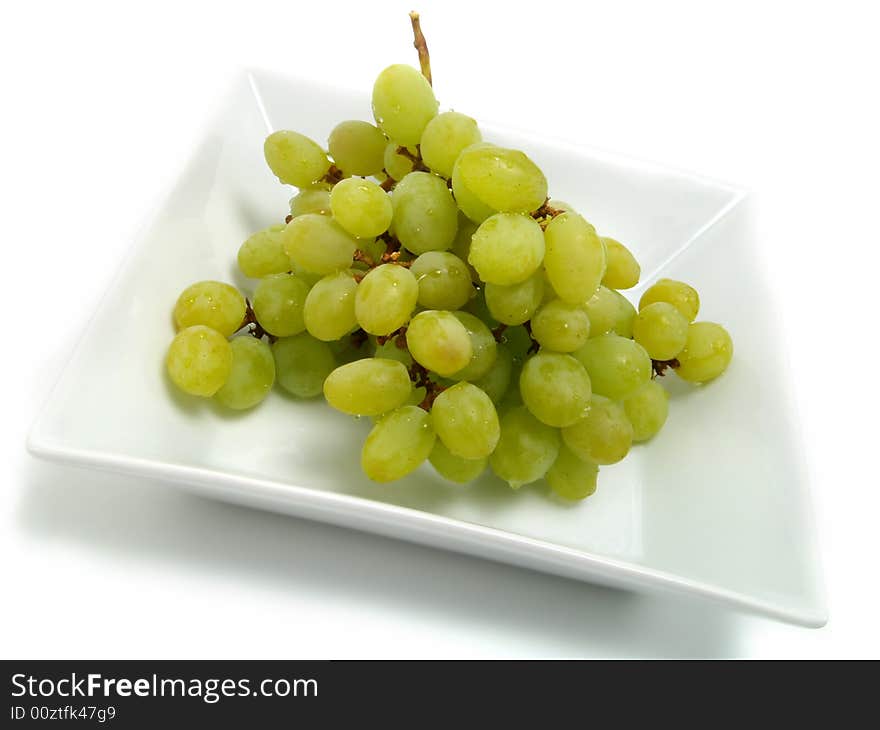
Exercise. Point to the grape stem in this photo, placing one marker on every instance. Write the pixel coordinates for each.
(333, 176)
(534, 347)
(421, 46)
(546, 213)
(660, 366)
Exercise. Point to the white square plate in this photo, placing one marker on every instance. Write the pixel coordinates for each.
(714, 506)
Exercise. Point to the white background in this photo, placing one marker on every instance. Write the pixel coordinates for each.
(101, 101)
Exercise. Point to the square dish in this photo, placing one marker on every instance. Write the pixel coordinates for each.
(716, 505)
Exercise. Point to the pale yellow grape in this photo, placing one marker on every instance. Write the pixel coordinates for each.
(361, 207)
(571, 477)
(302, 363)
(438, 341)
(507, 248)
(647, 409)
(390, 350)
(706, 354)
(526, 448)
(602, 308)
(454, 468)
(626, 314)
(574, 257)
(560, 326)
(328, 312)
(465, 420)
(555, 388)
(425, 215)
(445, 137)
(278, 304)
(604, 435)
(661, 329)
(444, 280)
(403, 103)
(313, 199)
(368, 387)
(622, 271)
(357, 147)
(497, 380)
(680, 295)
(504, 180)
(398, 444)
(483, 344)
(251, 376)
(385, 299)
(461, 246)
(517, 303)
(397, 166)
(294, 158)
(263, 253)
(560, 205)
(211, 303)
(617, 366)
(308, 277)
(199, 360)
(469, 204)
(318, 244)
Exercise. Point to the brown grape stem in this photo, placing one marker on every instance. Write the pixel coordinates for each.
(333, 176)
(546, 213)
(255, 329)
(660, 366)
(421, 46)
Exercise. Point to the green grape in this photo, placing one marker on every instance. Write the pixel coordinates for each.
(263, 254)
(361, 207)
(571, 477)
(504, 180)
(278, 304)
(647, 409)
(560, 326)
(555, 388)
(507, 248)
(574, 259)
(403, 103)
(213, 304)
(444, 280)
(519, 341)
(516, 303)
(622, 271)
(498, 378)
(375, 248)
(560, 205)
(425, 216)
(455, 468)
(295, 159)
(478, 307)
(397, 166)
(302, 363)
(390, 350)
(308, 277)
(706, 354)
(602, 309)
(681, 296)
(626, 314)
(398, 444)
(444, 138)
(318, 244)
(385, 299)
(368, 387)
(604, 435)
(328, 312)
(461, 246)
(617, 366)
(357, 147)
(199, 360)
(313, 199)
(476, 210)
(661, 329)
(349, 349)
(251, 376)
(438, 341)
(526, 448)
(465, 420)
(483, 344)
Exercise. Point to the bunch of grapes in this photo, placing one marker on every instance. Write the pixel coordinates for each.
(424, 279)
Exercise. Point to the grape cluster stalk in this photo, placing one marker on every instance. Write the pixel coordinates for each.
(424, 278)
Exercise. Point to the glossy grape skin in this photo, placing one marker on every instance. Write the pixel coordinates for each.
(602, 308)
(403, 103)
(661, 329)
(507, 249)
(397, 166)
(199, 360)
(680, 295)
(560, 326)
(278, 304)
(212, 304)
(474, 209)
(555, 388)
(313, 199)
(318, 244)
(328, 312)
(455, 468)
(571, 477)
(385, 299)
(390, 350)
(438, 341)
(445, 136)
(357, 147)
(515, 304)
(604, 435)
(526, 448)
(302, 363)
(622, 271)
(624, 316)
(368, 387)
(398, 444)
(361, 207)
(465, 420)
(497, 380)
(425, 214)
(483, 345)
(251, 375)
(294, 158)
(262, 254)
(647, 409)
(617, 366)
(574, 258)
(444, 280)
(502, 179)
(461, 246)
(706, 354)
